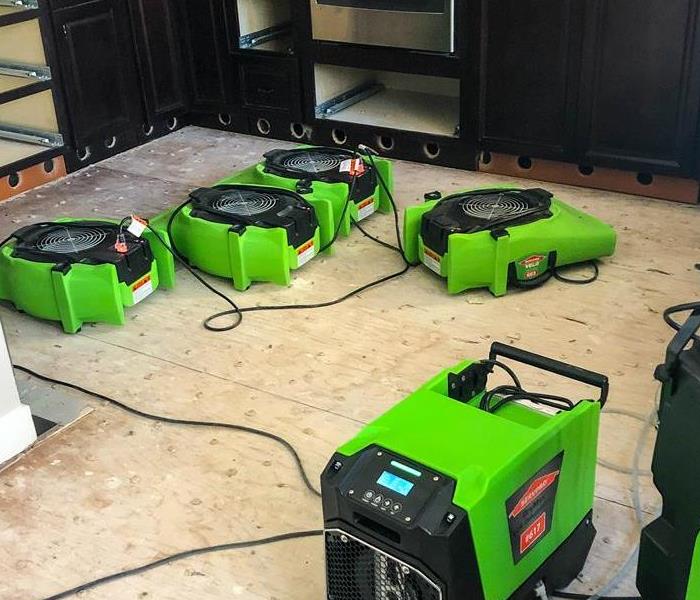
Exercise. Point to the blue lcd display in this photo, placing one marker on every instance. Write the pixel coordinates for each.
(395, 483)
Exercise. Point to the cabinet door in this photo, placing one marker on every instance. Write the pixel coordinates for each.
(529, 73)
(159, 56)
(95, 53)
(211, 69)
(640, 89)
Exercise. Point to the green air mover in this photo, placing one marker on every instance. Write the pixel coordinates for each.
(329, 176)
(72, 271)
(245, 232)
(669, 555)
(495, 237)
(458, 493)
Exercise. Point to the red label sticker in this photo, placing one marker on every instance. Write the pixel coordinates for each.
(141, 282)
(533, 533)
(532, 261)
(536, 489)
(304, 247)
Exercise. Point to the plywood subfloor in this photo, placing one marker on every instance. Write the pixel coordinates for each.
(113, 491)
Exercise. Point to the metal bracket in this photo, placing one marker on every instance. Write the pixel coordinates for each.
(38, 72)
(20, 3)
(357, 94)
(250, 40)
(31, 136)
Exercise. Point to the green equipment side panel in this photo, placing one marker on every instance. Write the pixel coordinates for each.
(328, 199)
(493, 458)
(479, 260)
(81, 293)
(255, 254)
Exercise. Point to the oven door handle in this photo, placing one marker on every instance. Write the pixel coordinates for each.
(415, 6)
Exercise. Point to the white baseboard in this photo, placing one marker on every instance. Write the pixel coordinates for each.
(16, 432)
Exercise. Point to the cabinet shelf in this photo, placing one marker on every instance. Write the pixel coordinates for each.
(418, 103)
(264, 25)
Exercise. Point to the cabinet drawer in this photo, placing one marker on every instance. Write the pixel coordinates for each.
(266, 86)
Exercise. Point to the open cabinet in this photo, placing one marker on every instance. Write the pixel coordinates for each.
(29, 128)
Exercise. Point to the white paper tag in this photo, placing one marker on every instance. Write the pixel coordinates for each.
(143, 288)
(352, 166)
(305, 253)
(136, 227)
(432, 260)
(366, 208)
(543, 408)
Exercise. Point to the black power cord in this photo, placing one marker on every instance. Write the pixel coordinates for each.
(181, 556)
(672, 310)
(512, 393)
(238, 312)
(184, 422)
(596, 272)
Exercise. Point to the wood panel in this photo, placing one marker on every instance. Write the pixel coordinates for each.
(529, 77)
(641, 85)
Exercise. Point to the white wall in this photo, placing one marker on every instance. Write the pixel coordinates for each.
(16, 426)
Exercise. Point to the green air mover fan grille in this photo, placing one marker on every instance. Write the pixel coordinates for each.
(470, 212)
(86, 242)
(321, 164)
(242, 206)
(358, 571)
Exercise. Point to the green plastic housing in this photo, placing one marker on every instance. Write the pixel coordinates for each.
(328, 199)
(83, 293)
(491, 456)
(475, 260)
(256, 254)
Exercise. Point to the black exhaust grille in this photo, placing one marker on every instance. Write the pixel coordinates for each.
(358, 571)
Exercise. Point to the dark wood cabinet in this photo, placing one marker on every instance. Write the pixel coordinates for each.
(529, 76)
(156, 27)
(266, 82)
(96, 59)
(210, 65)
(640, 85)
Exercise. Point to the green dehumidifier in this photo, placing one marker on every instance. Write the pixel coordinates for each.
(500, 236)
(245, 233)
(348, 184)
(77, 271)
(460, 492)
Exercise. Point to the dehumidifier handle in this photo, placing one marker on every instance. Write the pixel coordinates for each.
(554, 366)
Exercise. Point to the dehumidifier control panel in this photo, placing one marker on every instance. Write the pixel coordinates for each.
(388, 484)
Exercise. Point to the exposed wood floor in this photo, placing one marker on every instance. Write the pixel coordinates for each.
(114, 491)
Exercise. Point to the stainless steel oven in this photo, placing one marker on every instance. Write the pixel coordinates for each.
(414, 24)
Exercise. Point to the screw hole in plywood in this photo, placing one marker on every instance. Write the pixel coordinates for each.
(13, 180)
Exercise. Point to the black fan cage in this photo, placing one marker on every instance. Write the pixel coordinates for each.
(357, 571)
